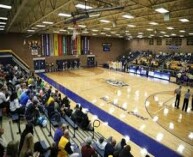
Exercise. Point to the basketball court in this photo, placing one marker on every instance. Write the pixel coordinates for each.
(145, 105)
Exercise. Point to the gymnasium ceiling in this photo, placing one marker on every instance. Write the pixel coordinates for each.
(26, 15)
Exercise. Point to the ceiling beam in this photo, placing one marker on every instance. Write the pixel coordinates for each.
(18, 10)
(47, 15)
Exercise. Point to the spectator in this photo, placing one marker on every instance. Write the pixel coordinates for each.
(14, 105)
(59, 132)
(24, 98)
(4, 102)
(28, 146)
(28, 129)
(3, 143)
(126, 152)
(119, 146)
(109, 148)
(12, 149)
(32, 112)
(101, 143)
(87, 150)
(64, 145)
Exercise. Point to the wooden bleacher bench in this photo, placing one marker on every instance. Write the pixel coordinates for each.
(45, 147)
(54, 123)
(70, 121)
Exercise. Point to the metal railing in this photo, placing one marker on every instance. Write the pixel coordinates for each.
(95, 124)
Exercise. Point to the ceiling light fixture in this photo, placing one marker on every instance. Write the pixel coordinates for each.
(71, 28)
(85, 32)
(153, 23)
(190, 33)
(170, 28)
(48, 22)
(149, 29)
(108, 29)
(95, 30)
(162, 32)
(2, 23)
(5, 6)
(2, 26)
(184, 20)
(1, 29)
(82, 26)
(82, 6)
(161, 10)
(128, 16)
(182, 31)
(41, 26)
(94, 15)
(64, 15)
(132, 26)
(3, 18)
(62, 30)
(31, 30)
(105, 21)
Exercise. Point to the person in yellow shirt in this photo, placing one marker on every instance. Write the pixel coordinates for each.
(64, 145)
(50, 99)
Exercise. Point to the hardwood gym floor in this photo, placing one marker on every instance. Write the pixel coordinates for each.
(145, 104)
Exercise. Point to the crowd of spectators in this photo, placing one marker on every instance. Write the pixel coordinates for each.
(30, 97)
(179, 65)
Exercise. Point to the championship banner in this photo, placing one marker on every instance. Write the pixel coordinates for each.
(74, 46)
(47, 49)
(69, 43)
(64, 49)
(78, 45)
(82, 45)
(88, 45)
(60, 45)
(71, 46)
(85, 45)
(55, 45)
(43, 44)
(51, 45)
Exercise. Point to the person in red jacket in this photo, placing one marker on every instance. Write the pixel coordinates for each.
(87, 150)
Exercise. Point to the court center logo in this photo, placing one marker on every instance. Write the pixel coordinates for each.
(132, 113)
(117, 83)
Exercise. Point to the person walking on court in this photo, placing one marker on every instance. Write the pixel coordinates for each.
(186, 100)
(178, 95)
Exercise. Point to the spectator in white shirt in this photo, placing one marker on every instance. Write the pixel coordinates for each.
(14, 105)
